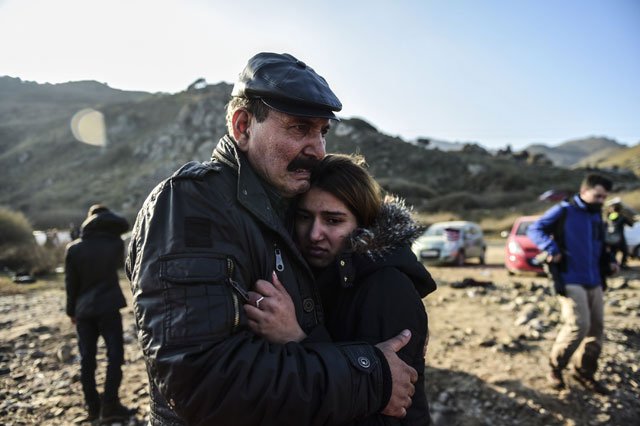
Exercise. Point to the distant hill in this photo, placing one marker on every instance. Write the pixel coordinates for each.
(571, 153)
(53, 179)
(28, 108)
(626, 159)
(430, 143)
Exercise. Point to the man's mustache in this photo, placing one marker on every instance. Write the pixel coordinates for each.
(302, 162)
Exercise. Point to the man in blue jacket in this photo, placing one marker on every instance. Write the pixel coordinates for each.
(572, 233)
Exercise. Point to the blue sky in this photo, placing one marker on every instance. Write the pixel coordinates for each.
(493, 72)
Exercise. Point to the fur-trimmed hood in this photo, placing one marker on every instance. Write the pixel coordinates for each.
(385, 244)
(393, 228)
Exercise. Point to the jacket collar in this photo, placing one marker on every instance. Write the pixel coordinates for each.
(252, 192)
(579, 202)
(393, 229)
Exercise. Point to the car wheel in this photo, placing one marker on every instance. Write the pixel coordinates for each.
(482, 256)
(460, 258)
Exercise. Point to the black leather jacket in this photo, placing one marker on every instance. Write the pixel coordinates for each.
(91, 267)
(208, 228)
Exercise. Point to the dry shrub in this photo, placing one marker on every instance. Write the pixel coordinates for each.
(14, 228)
(19, 250)
(406, 189)
(428, 219)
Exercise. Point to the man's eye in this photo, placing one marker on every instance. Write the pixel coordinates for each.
(301, 128)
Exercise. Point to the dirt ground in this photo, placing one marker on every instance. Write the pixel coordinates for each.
(488, 366)
(487, 357)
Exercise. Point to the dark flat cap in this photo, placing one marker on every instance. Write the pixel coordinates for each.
(287, 85)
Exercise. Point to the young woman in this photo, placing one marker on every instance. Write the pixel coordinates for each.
(359, 248)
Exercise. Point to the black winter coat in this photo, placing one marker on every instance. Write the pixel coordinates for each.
(374, 290)
(91, 267)
(202, 238)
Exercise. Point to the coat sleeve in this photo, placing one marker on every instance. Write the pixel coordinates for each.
(71, 282)
(208, 365)
(540, 231)
(387, 304)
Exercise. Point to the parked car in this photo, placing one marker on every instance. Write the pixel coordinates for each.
(553, 195)
(451, 242)
(520, 251)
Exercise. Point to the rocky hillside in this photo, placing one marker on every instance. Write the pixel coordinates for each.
(578, 151)
(627, 159)
(52, 178)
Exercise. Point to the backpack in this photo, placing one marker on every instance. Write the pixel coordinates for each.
(611, 237)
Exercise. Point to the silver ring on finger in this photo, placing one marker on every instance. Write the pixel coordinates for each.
(258, 302)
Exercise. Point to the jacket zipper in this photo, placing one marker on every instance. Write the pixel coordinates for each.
(279, 263)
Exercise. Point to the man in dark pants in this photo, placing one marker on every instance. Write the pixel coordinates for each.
(205, 236)
(94, 300)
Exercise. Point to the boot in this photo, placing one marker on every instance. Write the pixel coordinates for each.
(590, 383)
(114, 411)
(93, 411)
(555, 378)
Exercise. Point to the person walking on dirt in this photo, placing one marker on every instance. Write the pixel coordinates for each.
(94, 300)
(572, 233)
(615, 233)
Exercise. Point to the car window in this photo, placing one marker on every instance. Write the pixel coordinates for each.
(436, 230)
(522, 228)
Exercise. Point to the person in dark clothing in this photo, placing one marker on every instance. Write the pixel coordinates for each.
(615, 238)
(371, 283)
(203, 238)
(94, 300)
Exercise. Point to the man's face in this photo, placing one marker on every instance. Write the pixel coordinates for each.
(284, 148)
(595, 195)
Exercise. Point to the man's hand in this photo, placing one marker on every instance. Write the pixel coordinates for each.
(403, 376)
(554, 258)
(614, 268)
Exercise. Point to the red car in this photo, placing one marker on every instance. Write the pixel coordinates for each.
(520, 250)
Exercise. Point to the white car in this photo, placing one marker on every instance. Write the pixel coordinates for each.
(632, 236)
(451, 242)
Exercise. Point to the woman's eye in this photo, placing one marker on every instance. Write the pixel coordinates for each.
(332, 221)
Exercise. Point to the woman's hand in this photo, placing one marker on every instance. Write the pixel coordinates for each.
(272, 314)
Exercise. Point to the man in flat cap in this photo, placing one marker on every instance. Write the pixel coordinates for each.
(205, 236)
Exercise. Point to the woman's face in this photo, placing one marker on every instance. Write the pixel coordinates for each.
(322, 224)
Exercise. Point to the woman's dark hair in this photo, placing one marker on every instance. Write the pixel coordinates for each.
(344, 177)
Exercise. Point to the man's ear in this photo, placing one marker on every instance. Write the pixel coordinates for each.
(241, 120)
